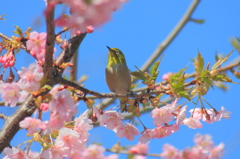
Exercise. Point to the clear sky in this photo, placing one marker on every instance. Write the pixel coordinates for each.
(137, 29)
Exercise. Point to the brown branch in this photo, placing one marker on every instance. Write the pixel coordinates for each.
(104, 95)
(73, 75)
(2, 116)
(162, 46)
(50, 40)
(128, 153)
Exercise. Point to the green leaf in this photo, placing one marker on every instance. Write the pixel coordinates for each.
(18, 31)
(221, 61)
(139, 75)
(199, 63)
(223, 78)
(154, 69)
(199, 21)
(235, 43)
(184, 94)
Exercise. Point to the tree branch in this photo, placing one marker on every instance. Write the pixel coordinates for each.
(50, 40)
(2, 116)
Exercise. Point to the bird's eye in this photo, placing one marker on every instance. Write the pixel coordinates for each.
(117, 52)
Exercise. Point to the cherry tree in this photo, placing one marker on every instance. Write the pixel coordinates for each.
(44, 89)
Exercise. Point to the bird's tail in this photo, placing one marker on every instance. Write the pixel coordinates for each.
(123, 104)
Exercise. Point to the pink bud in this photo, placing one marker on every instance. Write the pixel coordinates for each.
(90, 29)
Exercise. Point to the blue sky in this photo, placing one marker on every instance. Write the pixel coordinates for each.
(137, 29)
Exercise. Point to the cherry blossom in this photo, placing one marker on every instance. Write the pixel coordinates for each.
(8, 60)
(30, 77)
(181, 115)
(169, 152)
(36, 42)
(222, 114)
(192, 123)
(68, 142)
(140, 149)
(52, 153)
(10, 93)
(15, 152)
(112, 119)
(82, 126)
(128, 131)
(161, 115)
(62, 103)
(146, 136)
(165, 77)
(32, 124)
(217, 152)
(204, 142)
(85, 14)
(93, 152)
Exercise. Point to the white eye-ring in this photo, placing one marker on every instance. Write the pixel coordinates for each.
(116, 51)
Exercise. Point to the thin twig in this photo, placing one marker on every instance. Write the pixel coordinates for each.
(128, 153)
(9, 39)
(2, 116)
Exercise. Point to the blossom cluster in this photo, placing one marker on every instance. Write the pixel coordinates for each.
(161, 119)
(204, 148)
(14, 92)
(85, 14)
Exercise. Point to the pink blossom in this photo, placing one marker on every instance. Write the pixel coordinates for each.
(112, 119)
(84, 14)
(30, 77)
(197, 113)
(192, 123)
(190, 153)
(33, 155)
(96, 112)
(161, 132)
(164, 131)
(181, 115)
(146, 136)
(113, 156)
(62, 103)
(139, 157)
(10, 93)
(36, 42)
(32, 124)
(169, 152)
(93, 152)
(217, 152)
(44, 107)
(140, 149)
(161, 115)
(82, 126)
(127, 131)
(56, 122)
(52, 153)
(23, 95)
(15, 153)
(90, 29)
(68, 142)
(204, 142)
(222, 114)
(165, 77)
(8, 60)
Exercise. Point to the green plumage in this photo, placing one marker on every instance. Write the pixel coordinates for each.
(117, 74)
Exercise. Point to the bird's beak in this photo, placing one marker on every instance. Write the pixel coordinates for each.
(111, 51)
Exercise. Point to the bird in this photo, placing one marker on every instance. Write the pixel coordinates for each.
(118, 77)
